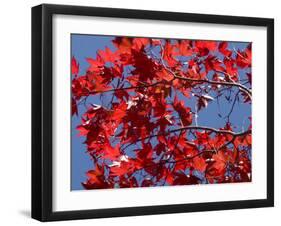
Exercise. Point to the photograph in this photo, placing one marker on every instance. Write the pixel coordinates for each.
(150, 112)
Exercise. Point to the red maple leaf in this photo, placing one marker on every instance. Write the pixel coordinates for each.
(108, 56)
(74, 66)
(223, 49)
(204, 47)
(244, 58)
(184, 112)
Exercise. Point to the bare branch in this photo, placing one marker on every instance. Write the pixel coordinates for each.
(241, 87)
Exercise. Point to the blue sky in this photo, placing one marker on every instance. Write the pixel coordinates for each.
(84, 46)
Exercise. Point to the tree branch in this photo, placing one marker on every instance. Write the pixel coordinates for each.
(202, 128)
(193, 128)
(244, 89)
(126, 88)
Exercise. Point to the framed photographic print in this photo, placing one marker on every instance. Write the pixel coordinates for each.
(146, 112)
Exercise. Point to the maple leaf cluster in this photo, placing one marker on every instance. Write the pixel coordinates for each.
(144, 131)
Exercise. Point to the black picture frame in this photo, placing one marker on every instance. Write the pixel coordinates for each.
(42, 111)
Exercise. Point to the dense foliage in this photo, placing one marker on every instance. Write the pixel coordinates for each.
(148, 133)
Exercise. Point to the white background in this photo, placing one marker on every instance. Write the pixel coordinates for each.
(15, 112)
